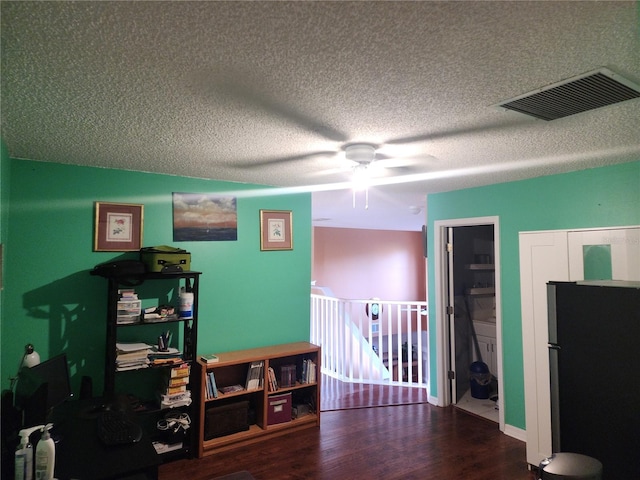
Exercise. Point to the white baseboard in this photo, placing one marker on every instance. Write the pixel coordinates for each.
(515, 432)
(433, 400)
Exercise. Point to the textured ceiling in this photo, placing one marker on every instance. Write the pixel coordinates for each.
(271, 92)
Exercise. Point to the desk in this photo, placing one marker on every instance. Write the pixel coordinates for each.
(81, 455)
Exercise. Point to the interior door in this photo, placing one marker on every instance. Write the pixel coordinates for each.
(604, 254)
(561, 255)
(543, 258)
(454, 384)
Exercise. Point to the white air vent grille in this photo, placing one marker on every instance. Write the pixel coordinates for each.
(575, 95)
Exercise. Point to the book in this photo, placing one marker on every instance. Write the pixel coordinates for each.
(176, 390)
(308, 371)
(132, 346)
(254, 375)
(162, 447)
(181, 370)
(176, 396)
(214, 387)
(127, 294)
(178, 381)
(209, 358)
(180, 399)
(287, 375)
(273, 383)
(166, 361)
(231, 389)
(208, 392)
(179, 403)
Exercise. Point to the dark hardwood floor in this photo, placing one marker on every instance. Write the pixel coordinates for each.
(338, 395)
(414, 441)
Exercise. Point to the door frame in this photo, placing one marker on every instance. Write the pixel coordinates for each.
(443, 361)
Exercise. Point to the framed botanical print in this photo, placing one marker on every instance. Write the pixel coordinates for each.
(276, 231)
(117, 227)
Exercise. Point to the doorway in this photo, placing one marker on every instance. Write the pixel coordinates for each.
(468, 320)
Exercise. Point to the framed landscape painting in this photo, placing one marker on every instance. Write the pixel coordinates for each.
(204, 217)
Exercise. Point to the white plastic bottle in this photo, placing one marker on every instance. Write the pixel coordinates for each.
(45, 455)
(186, 304)
(24, 455)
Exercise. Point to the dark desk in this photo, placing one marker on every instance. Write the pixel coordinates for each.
(81, 455)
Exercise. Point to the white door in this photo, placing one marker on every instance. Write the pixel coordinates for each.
(543, 257)
(443, 318)
(451, 320)
(613, 251)
(561, 255)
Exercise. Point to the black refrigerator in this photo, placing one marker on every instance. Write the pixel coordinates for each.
(594, 358)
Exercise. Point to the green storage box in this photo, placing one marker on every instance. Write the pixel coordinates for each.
(165, 258)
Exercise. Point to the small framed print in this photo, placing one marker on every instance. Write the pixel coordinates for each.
(117, 227)
(276, 231)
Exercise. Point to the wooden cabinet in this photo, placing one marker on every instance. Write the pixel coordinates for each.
(486, 335)
(260, 403)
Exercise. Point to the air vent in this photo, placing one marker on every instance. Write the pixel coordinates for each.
(575, 95)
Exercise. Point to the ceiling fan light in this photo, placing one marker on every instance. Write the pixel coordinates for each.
(360, 179)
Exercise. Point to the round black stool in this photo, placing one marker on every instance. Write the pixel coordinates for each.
(570, 466)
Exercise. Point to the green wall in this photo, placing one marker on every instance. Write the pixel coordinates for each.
(4, 201)
(248, 298)
(600, 197)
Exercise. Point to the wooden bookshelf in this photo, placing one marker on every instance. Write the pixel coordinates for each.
(231, 369)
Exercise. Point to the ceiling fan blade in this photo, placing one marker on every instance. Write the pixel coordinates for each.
(240, 90)
(410, 162)
(332, 171)
(470, 130)
(277, 161)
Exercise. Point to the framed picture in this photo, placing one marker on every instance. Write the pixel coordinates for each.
(204, 217)
(117, 227)
(276, 232)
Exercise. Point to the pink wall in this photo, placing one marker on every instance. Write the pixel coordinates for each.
(360, 264)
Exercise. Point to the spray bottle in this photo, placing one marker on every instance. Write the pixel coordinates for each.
(45, 455)
(24, 454)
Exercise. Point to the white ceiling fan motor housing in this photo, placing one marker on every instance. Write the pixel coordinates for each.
(360, 153)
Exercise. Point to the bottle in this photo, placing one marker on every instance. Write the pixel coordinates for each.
(24, 454)
(45, 455)
(186, 303)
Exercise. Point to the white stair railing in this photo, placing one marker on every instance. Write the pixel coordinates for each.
(371, 341)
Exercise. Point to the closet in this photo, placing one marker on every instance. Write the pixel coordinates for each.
(561, 255)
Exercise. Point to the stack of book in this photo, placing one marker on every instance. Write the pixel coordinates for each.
(174, 392)
(129, 307)
(287, 375)
(255, 375)
(132, 356)
(171, 356)
(308, 371)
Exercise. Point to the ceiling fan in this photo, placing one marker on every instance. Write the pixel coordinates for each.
(361, 157)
